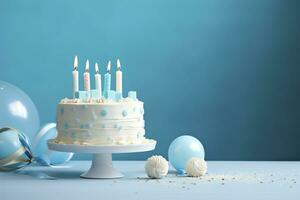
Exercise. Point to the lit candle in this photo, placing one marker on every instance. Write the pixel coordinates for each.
(119, 77)
(98, 80)
(107, 78)
(75, 76)
(86, 77)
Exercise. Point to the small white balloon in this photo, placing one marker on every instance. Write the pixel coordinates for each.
(156, 167)
(196, 167)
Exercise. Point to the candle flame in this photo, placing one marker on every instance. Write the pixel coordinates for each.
(87, 65)
(96, 68)
(75, 63)
(108, 66)
(118, 64)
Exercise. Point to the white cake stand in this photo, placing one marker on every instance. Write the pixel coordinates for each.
(102, 166)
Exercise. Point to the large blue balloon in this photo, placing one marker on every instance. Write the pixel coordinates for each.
(182, 149)
(18, 111)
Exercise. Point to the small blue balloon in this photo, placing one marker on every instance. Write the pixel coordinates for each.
(14, 149)
(18, 111)
(42, 154)
(182, 149)
(9, 142)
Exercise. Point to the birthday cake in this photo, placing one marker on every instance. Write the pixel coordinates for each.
(100, 117)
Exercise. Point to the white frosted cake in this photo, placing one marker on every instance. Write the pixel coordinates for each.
(106, 122)
(100, 117)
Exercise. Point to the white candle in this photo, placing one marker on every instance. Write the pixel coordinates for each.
(86, 77)
(98, 80)
(119, 77)
(75, 76)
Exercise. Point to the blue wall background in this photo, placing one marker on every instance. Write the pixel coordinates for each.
(223, 71)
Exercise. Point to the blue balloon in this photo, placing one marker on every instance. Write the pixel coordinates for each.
(14, 149)
(9, 142)
(40, 150)
(182, 149)
(18, 111)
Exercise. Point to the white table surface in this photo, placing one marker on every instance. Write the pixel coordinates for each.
(225, 180)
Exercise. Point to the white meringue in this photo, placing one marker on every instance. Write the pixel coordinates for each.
(196, 167)
(156, 167)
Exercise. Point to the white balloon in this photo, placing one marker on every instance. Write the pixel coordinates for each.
(156, 167)
(196, 167)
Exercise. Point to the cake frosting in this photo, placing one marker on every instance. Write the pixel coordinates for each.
(103, 122)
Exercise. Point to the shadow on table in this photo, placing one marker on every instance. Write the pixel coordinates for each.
(51, 174)
(70, 172)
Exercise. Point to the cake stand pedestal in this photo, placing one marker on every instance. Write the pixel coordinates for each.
(102, 166)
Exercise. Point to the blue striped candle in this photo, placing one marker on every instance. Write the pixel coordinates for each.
(107, 80)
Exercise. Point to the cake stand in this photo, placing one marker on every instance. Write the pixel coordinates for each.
(102, 166)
